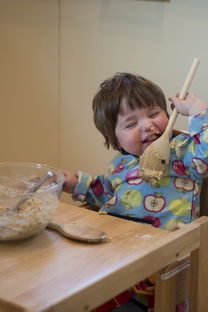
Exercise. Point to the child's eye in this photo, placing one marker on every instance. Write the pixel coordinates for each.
(153, 115)
(130, 125)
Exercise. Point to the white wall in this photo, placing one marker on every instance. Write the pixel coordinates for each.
(55, 53)
(29, 76)
(101, 37)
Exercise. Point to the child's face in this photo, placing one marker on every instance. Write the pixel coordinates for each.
(137, 129)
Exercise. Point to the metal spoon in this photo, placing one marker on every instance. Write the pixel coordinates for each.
(34, 188)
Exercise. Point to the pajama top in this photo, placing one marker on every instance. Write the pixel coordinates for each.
(173, 201)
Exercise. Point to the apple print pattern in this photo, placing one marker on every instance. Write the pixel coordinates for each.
(131, 199)
(179, 168)
(184, 185)
(154, 203)
(172, 202)
(180, 207)
(133, 177)
(200, 166)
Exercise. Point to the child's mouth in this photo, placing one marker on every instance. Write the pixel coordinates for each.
(151, 138)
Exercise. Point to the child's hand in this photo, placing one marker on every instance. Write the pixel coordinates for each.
(190, 106)
(70, 183)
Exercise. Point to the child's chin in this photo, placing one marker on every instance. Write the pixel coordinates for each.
(136, 153)
(145, 145)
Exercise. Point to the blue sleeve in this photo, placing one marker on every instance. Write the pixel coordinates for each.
(193, 150)
(94, 190)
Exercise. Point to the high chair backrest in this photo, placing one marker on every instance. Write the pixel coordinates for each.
(204, 198)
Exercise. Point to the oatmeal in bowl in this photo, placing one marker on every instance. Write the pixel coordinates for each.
(37, 208)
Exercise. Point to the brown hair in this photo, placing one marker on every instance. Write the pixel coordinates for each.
(137, 91)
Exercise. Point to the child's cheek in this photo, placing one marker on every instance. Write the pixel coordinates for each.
(162, 123)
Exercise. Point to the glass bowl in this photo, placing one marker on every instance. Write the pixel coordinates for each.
(34, 214)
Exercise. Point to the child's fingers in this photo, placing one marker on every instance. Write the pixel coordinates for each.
(172, 106)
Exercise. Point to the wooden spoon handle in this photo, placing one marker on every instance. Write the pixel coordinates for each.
(189, 79)
(79, 232)
(183, 93)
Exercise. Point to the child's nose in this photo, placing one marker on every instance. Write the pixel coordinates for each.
(148, 126)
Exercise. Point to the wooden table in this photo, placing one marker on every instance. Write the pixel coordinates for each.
(52, 273)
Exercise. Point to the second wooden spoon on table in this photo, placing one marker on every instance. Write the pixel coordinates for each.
(79, 232)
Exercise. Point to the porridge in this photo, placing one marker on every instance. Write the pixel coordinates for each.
(32, 216)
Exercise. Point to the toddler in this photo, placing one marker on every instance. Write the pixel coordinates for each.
(131, 113)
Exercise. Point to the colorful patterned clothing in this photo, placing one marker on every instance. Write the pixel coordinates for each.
(169, 204)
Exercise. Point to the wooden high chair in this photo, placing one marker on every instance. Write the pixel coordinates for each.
(189, 276)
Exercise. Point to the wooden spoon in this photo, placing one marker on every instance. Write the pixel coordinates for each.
(79, 232)
(155, 159)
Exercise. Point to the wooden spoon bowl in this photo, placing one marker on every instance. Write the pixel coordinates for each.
(79, 232)
(155, 159)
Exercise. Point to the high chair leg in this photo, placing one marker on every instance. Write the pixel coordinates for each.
(192, 282)
(199, 271)
(165, 293)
